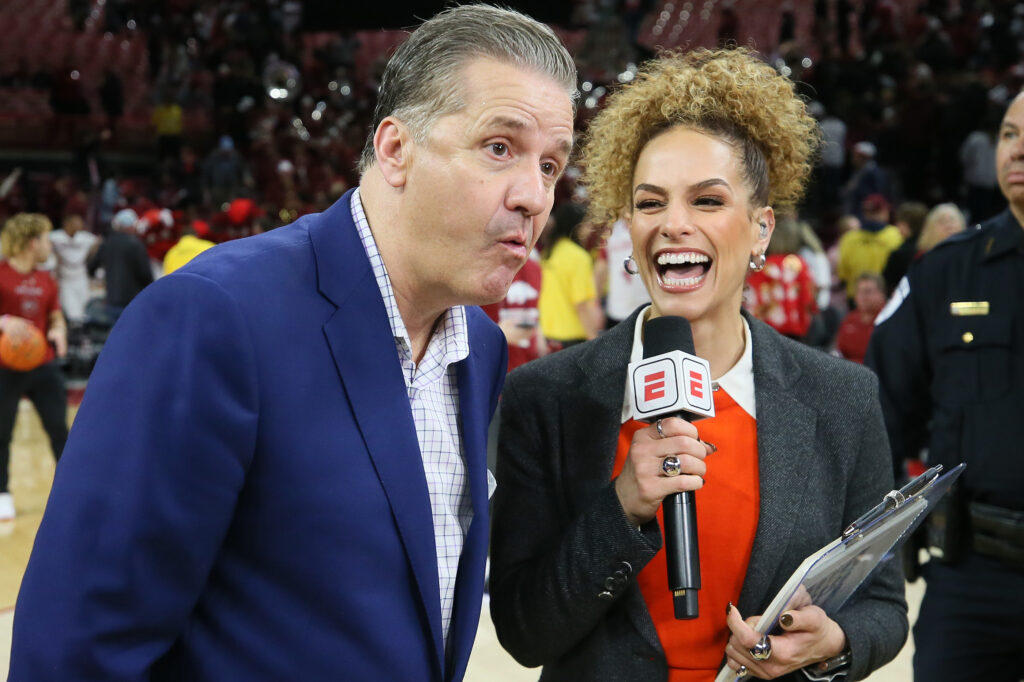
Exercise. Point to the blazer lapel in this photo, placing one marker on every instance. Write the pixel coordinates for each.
(476, 405)
(599, 401)
(785, 443)
(372, 377)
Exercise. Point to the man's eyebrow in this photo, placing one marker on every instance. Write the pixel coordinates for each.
(515, 124)
(1008, 124)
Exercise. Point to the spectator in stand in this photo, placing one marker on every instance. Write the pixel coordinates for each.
(28, 296)
(833, 152)
(909, 221)
(867, 249)
(867, 179)
(826, 322)
(978, 158)
(518, 316)
(782, 293)
(168, 119)
(624, 291)
(125, 263)
(225, 174)
(192, 243)
(570, 312)
(942, 222)
(73, 245)
(855, 330)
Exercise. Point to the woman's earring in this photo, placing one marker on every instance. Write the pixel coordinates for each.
(759, 265)
(764, 229)
(630, 265)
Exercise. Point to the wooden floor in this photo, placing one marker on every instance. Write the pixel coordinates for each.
(32, 474)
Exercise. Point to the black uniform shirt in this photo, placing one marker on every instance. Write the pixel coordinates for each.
(949, 352)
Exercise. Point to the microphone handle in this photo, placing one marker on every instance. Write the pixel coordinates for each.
(682, 553)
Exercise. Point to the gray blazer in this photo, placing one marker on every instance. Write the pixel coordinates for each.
(560, 537)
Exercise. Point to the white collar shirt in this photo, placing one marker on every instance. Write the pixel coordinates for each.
(432, 388)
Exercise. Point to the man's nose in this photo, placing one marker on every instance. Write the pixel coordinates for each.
(529, 193)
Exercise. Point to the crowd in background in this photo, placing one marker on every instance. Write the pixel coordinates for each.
(254, 120)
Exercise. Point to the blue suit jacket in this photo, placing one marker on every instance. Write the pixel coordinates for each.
(242, 496)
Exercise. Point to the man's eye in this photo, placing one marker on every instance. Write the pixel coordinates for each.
(499, 148)
(548, 168)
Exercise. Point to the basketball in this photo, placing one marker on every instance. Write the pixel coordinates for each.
(23, 352)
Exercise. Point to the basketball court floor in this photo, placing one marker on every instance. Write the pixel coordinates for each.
(32, 473)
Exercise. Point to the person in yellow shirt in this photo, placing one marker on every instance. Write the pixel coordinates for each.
(167, 118)
(570, 312)
(867, 249)
(191, 244)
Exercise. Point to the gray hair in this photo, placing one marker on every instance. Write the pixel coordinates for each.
(421, 82)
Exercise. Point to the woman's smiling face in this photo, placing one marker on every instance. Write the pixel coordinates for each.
(692, 225)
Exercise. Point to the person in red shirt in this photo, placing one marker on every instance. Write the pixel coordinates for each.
(29, 296)
(518, 317)
(855, 330)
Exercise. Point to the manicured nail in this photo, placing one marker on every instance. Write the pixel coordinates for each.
(714, 448)
(728, 608)
(786, 620)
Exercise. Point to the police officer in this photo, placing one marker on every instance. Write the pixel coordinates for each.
(949, 352)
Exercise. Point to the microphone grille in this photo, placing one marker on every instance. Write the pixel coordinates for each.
(667, 333)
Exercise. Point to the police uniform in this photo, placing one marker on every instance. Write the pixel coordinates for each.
(949, 352)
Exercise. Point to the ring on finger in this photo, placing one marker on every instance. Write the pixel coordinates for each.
(657, 425)
(671, 466)
(741, 671)
(762, 651)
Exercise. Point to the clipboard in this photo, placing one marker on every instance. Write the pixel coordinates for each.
(830, 576)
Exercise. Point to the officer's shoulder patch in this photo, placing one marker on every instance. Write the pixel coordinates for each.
(897, 298)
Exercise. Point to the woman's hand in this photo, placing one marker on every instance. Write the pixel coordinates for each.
(809, 636)
(643, 484)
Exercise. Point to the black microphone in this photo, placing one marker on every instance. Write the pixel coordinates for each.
(687, 392)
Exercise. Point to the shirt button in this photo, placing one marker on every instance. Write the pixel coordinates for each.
(968, 337)
(606, 595)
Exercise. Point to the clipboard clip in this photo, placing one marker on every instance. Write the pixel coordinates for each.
(894, 499)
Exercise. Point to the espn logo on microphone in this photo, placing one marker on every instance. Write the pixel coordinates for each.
(671, 382)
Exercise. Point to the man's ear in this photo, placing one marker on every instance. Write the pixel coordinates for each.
(392, 145)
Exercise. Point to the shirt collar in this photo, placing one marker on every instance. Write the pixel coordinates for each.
(1004, 236)
(738, 382)
(449, 341)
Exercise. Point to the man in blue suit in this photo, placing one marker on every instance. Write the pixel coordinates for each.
(278, 471)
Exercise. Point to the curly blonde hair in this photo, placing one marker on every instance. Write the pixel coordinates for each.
(19, 230)
(730, 94)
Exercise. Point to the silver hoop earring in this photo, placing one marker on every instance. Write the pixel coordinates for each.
(629, 265)
(759, 265)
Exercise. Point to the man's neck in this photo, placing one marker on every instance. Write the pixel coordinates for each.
(417, 315)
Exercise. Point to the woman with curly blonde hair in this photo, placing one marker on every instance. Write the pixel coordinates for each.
(695, 155)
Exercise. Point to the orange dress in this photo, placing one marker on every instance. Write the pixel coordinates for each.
(727, 512)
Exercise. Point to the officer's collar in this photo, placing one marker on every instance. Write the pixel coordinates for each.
(1005, 235)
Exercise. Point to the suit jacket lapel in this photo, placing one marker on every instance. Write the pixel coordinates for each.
(785, 443)
(476, 405)
(363, 348)
(596, 431)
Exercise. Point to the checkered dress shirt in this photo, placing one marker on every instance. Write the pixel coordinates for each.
(433, 393)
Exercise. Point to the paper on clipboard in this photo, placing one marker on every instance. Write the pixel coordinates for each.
(831, 575)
